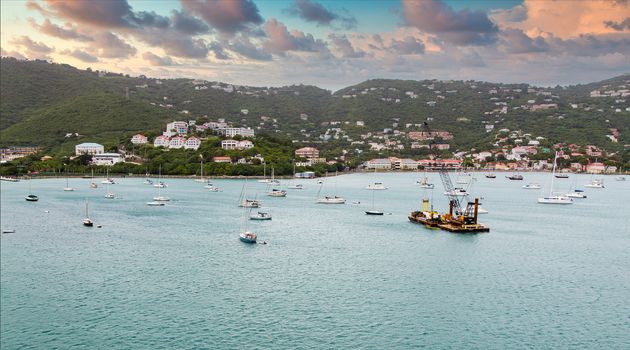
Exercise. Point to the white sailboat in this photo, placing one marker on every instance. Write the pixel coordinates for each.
(293, 186)
(554, 198)
(245, 202)
(159, 197)
(328, 199)
(67, 188)
(201, 179)
(595, 183)
(30, 197)
(264, 180)
(108, 180)
(93, 184)
(376, 186)
(276, 192)
(424, 182)
(246, 236)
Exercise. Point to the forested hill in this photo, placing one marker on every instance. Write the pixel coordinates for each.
(40, 102)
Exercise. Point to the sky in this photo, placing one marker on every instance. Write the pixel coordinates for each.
(331, 44)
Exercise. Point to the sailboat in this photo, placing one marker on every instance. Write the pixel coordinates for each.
(260, 216)
(93, 184)
(264, 180)
(108, 195)
(246, 236)
(243, 201)
(424, 182)
(328, 199)
(201, 179)
(596, 183)
(30, 197)
(297, 186)
(554, 198)
(108, 180)
(159, 197)
(67, 188)
(275, 192)
(574, 192)
(87, 221)
(373, 211)
(491, 176)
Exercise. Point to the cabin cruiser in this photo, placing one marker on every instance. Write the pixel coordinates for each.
(576, 194)
(331, 200)
(376, 186)
(457, 191)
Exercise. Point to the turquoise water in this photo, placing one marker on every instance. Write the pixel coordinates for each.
(330, 277)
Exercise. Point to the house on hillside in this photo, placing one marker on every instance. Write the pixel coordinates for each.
(192, 143)
(139, 139)
(88, 148)
(161, 141)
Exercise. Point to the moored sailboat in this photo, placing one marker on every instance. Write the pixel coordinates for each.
(554, 198)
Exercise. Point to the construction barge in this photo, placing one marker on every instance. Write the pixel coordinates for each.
(464, 222)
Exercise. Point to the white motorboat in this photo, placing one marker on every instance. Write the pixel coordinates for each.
(532, 186)
(108, 182)
(161, 199)
(212, 188)
(155, 204)
(93, 185)
(296, 187)
(456, 192)
(597, 183)
(148, 182)
(424, 183)
(249, 203)
(9, 179)
(481, 210)
(109, 195)
(160, 184)
(277, 193)
(376, 186)
(331, 200)
(554, 198)
(576, 194)
(260, 216)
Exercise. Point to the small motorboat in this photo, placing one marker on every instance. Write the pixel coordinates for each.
(160, 185)
(562, 176)
(247, 237)
(212, 188)
(8, 231)
(155, 204)
(68, 189)
(93, 185)
(148, 182)
(481, 210)
(250, 203)
(108, 181)
(277, 193)
(456, 192)
(31, 198)
(532, 186)
(555, 199)
(331, 200)
(260, 216)
(109, 195)
(373, 212)
(491, 176)
(376, 186)
(576, 194)
(161, 199)
(515, 177)
(296, 187)
(597, 183)
(8, 178)
(424, 183)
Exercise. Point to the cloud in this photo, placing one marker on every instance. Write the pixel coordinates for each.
(280, 40)
(103, 14)
(515, 14)
(187, 24)
(108, 45)
(517, 42)
(312, 11)
(13, 54)
(463, 27)
(227, 16)
(156, 60)
(49, 28)
(219, 51)
(80, 55)
(32, 48)
(408, 46)
(244, 47)
(344, 47)
(619, 26)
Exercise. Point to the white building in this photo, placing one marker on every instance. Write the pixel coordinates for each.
(161, 141)
(88, 148)
(231, 132)
(176, 128)
(176, 142)
(379, 163)
(234, 144)
(192, 143)
(107, 159)
(139, 139)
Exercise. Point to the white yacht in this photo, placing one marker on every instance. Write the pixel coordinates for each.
(555, 198)
(260, 216)
(456, 192)
(597, 183)
(331, 200)
(376, 186)
(576, 194)
(277, 193)
(532, 186)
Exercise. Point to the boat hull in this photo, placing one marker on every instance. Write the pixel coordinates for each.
(373, 212)
(31, 198)
(247, 237)
(555, 200)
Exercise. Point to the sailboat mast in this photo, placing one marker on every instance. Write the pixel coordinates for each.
(553, 173)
